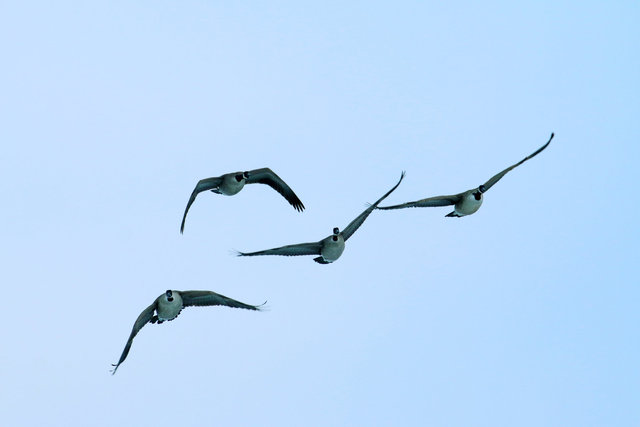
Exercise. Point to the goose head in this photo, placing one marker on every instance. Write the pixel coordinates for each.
(478, 194)
(169, 295)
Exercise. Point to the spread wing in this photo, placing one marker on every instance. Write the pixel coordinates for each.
(312, 248)
(429, 202)
(497, 177)
(356, 223)
(269, 177)
(143, 319)
(202, 185)
(204, 298)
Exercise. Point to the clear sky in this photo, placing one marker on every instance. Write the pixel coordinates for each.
(523, 314)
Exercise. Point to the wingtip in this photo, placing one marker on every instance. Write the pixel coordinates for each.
(261, 307)
(399, 181)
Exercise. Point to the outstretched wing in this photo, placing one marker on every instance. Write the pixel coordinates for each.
(497, 177)
(202, 185)
(143, 319)
(204, 298)
(356, 223)
(428, 203)
(312, 248)
(269, 177)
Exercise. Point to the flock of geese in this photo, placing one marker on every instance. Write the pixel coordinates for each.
(169, 305)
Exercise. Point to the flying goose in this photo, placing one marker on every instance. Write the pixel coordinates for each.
(468, 201)
(169, 305)
(330, 248)
(231, 183)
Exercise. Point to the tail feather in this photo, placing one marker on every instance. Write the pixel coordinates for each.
(320, 260)
(453, 214)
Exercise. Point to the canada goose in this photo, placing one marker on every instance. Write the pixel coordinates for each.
(330, 248)
(231, 183)
(468, 201)
(169, 305)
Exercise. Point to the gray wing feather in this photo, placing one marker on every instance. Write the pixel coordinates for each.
(312, 248)
(427, 203)
(206, 298)
(356, 223)
(269, 177)
(202, 185)
(498, 176)
(143, 319)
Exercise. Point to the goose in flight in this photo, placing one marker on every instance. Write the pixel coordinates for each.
(330, 248)
(169, 305)
(468, 201)
(231, 183)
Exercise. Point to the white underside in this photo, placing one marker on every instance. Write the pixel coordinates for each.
(331, 250)
(468, 205)
(230, 185)
(169, 310)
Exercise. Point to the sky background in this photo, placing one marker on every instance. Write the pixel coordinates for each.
(525, 313)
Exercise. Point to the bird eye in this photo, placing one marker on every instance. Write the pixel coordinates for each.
(335, 238)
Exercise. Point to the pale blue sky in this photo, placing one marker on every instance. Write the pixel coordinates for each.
(524, 313)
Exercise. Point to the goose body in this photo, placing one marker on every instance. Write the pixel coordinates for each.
(231, 183)
(169, 307)
(469, 203)
(330, 248)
